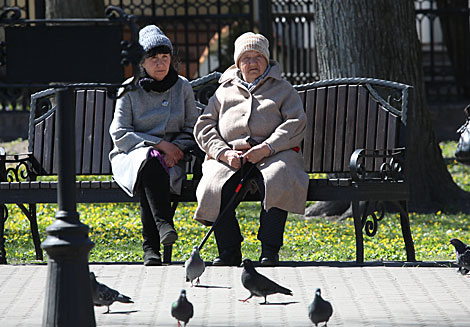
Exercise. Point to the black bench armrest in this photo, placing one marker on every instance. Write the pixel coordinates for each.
(377, 165)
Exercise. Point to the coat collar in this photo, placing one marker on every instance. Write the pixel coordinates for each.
(231, 73)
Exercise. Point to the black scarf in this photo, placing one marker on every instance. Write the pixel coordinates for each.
(150, 84)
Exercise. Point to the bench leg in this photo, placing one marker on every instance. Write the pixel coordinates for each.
(406, 231)
(3, 219)
(167, 249)
(33, 223)
(358, 230)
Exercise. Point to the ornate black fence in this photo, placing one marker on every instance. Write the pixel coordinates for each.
(442, 26)
(203, 32)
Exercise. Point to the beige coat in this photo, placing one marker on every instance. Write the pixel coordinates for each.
(271, 113)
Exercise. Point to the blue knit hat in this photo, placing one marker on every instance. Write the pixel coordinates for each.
(151, 36)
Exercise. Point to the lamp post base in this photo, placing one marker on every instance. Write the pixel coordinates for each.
(68, 292)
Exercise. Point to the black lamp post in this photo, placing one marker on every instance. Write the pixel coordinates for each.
(68, 54)
(68, 300)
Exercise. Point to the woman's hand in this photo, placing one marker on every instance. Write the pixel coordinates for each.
(232, 158)
(257, 153)
(171, 153)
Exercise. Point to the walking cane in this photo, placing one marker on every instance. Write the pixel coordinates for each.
(247, 167)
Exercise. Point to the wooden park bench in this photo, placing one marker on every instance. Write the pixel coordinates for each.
(354, 138)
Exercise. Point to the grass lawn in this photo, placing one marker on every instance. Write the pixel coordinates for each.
(116, 231)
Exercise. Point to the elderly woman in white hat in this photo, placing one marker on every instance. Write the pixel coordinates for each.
(151, 131)
(252, 101)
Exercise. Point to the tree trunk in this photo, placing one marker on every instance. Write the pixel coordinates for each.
(363, 38)
(74, 9)
(456, 34)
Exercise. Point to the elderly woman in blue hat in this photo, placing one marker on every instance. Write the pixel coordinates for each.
(151, 131)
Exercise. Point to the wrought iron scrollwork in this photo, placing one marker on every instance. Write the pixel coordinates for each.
(204, 88)
(16, 168)
(370, 219)
(18, 173)
(392, 170)
(10, 14)
(115, 13)
(131, 51)
(5, 214)
(43, 105)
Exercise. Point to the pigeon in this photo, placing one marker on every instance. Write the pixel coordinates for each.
(182, 309)
(319, 310)
(462, 252)
(194, 266)
(104, 295)
(259, 285)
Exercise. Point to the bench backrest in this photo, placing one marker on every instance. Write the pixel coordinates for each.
(343, 115)
(93, 115)
(348, 114)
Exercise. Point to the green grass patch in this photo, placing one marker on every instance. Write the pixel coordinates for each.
(116, 231)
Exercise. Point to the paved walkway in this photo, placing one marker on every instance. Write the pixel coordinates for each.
(371, 295)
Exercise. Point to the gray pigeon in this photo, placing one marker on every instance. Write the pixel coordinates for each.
(104, 295)
(462, 253)
(259, 285)
(182, 309)
(194, 266)
(319, 310)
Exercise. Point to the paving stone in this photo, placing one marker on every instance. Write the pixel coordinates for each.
(371, 295)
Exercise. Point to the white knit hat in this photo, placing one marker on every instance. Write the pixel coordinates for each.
(250, 41)
(151, 36)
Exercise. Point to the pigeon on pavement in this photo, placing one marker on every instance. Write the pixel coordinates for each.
(104, 295)
(319, 310)
(194, 266)
(463, 255)
(182, 309)
(259, 285)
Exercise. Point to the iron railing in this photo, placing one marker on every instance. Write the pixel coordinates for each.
(203, 32)
(294, 45)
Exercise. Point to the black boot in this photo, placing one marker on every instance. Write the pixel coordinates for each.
(151, 244)
(152, 257)
(167, 233)
(154, 184)
(269, 255)
(231, 256)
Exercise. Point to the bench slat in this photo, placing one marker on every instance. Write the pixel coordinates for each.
(80, 102)
(107, 142)
(88, 132)
(392, 133)
(38, 141)
(381, 142)
(309, 104)
(351, 114)
(319, 130)
(340, 128)
(98, 131)
(371, 134)
(48, 150)
(361, 118)
(330, 123)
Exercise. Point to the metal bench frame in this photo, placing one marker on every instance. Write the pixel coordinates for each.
(354, 137)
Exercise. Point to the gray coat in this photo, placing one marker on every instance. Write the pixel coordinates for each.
(271, 113)
(141, 120)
